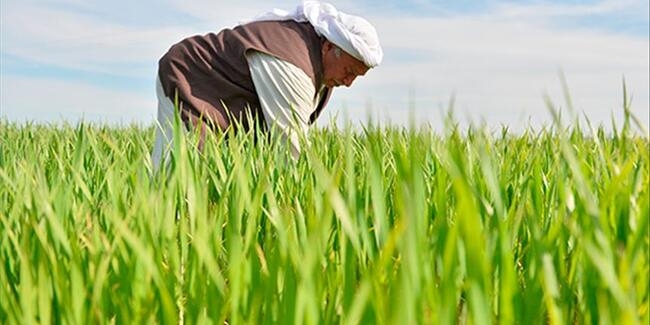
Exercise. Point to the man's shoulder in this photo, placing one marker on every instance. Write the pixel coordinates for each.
(278, 25)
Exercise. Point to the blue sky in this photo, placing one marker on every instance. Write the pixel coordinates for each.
(96, 60)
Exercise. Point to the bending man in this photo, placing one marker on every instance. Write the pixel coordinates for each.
(277, 71)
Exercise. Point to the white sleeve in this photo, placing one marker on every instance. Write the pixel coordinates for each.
(286, 96)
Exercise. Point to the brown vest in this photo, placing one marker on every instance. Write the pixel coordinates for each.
(210, 78)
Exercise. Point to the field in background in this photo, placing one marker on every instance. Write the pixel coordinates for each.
(381, 226)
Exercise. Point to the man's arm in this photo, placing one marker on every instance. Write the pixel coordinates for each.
(286, 95)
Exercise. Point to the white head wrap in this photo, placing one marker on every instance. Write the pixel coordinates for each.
(355, 35)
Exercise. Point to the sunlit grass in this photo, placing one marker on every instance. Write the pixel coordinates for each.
(380, 226)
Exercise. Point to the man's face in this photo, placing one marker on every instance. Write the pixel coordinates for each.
(340, 68)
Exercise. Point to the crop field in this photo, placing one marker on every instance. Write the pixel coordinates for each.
(380, 225)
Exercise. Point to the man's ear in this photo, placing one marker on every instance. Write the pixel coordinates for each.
(327, 46)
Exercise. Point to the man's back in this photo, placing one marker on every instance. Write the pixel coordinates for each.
(212, 77)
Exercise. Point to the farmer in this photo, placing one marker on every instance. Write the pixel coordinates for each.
(276, 72)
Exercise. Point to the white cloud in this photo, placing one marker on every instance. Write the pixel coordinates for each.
(497, 64)
(54, 100)
(222, 14)
(549, 10)
(499, 71)
(77, 41)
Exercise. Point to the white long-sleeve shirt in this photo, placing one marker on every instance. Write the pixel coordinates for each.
(287, 97)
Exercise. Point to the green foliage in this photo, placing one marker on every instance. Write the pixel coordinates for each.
(379, 226)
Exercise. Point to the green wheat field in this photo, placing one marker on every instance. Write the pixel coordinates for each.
(374, 225)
